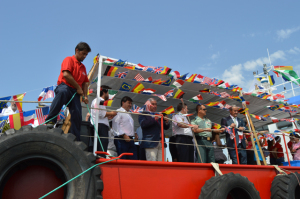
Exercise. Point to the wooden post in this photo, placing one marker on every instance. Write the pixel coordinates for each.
(255, 135)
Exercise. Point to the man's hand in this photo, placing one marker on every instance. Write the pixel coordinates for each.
(232, 125)
(86, 100)
(136, 137)
(194, 126)
(218, 131)
(126, 137)
(208, 129)
(166, 119)
(241, 128)
(80, 91)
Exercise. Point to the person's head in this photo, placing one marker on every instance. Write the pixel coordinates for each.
(234, 111)
(270, 144)
(104, 92)
(13, 106)
(296, 138)
(183, 108)
(81, 51)
(153, 106)
(201, 110)
(126, 103)
(277, 139)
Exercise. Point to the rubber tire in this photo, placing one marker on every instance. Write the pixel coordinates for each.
(284, 187)
(220, 186)
(61, 148)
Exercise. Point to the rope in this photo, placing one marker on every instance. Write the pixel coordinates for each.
(94, 126)
(76, 177)
(59, 112)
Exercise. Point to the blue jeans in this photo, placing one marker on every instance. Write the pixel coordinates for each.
(63, 94)
(126, 147)
(242, 155)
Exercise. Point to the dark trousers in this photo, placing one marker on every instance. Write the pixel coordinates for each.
(185, 153)
(102, 132)
(172, 148)
(63, 94)
(250, 157)
(126, 147)
(242, 155)
(206, 150)
(141, 153)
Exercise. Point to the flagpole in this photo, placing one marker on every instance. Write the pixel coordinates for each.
(255, 135)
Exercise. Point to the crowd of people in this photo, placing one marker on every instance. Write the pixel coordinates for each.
(73, 83)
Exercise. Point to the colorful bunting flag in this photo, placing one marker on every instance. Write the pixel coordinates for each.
(130, 67)
(109, 62)
(148, 80)
(178, 83)
(196, 99)
(110, 71)
(206, 90)
(139, 78)
(165, 71)
(168, 110)
(206, 81)
(179, 94)
(157, 81)
(107, 102)
(183, 77)
(121, 75)
(3, 104)
(216, 126)
(120, 63)
(136, 109)
(16, 121)
(169, 93)
(96, 59)
(175, 74)
(125, 87)
(167, 82)
(138, 88)
(191, 78)
(19, 98)
(161, 97)
(198, 79)
(139, 67)
(148, 91)
(224, 95)
(112, 94)
(42, 114)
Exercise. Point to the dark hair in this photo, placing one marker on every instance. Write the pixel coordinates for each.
(179, 106)
(270, 144)
(104, 89)
(297, 136)
(198, 107)
(83, 46)
(125, 99)
(277, 138)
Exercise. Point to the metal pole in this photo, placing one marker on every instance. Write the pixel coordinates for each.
(293, 88)
(236, 151)
(162, 137)
(97, 102)
(286, 149)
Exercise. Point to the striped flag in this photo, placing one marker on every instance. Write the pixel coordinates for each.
(107, 102)
(169, 93)
(50, 93)
(165, 71)
(206, 80)
(139, 77)
(112, 94)
(224, 95)
(109, 62)
(191, 78)
(28, 117)
(42, 114)
(178, 83)
(198, 79)
(19, 98)
(139, 67)
(148, 80)
(175, 74)
(179, 94)
(196, 99)
(229, 131)
(161, 97)
(148, 91)
(169, 110)
(138, 88)
(110, 71)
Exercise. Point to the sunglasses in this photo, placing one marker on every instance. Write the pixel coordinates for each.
(204, 109)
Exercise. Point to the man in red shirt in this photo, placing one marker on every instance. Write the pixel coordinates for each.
(72, 79)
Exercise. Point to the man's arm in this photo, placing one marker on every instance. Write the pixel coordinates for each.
(146, 121)
(85, 86)
(70, 79)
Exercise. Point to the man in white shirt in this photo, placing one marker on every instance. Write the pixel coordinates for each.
(183, 134)
(103, 117)
(123, 125)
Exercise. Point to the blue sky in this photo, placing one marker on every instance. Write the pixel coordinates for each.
(223, 39)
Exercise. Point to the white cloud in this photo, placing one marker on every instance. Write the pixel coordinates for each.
(234, 75)
(251, 65)
(215, 56)
(284, 34)
(294, 50)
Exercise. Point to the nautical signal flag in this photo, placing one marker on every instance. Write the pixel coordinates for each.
(179, 94)
(138, 88)
(175, 74)
(3, 104)
(216, 126)
(206, 90)
(169, 110)
(167, 82)
(166, 71)
(120, 63)
(138, 77)
(271, 80)
(109, 62)
(110, 71)
(19, 98)
(107, 102)
(169, 93)
(125, 87)
(196, 99)
(191, 78)
(178, 83)
(148, 91)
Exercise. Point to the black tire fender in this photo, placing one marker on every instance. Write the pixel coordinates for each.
(286, 186)
(235, 185)
(58, 148)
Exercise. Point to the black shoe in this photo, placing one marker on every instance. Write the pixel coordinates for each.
(50, 125)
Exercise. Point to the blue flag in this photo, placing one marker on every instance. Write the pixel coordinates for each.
(183, 77)
(168, 82)
(3, 104)
(120, 63)
(125, 87)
